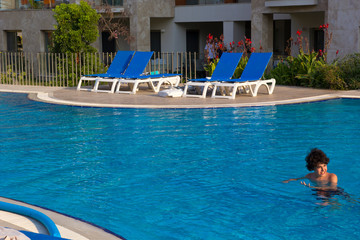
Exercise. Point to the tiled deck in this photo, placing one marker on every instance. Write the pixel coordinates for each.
(148, 99)
(69, 228)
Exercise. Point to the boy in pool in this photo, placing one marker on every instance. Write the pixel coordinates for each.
(317, 161)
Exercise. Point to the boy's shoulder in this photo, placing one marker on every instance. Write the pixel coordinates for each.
(333, 177)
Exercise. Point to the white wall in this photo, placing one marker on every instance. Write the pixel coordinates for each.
(344, 22)
(213, 13)
(234, 31)
(170, 34)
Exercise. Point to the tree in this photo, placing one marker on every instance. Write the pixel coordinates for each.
(116, 24)
(77, 28)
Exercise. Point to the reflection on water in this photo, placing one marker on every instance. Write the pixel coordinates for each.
(332, 197)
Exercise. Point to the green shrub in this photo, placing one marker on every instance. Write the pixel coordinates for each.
(283, 72)
(299, 70)
(329, 77)
(350, 70)
(71, 66)
(209, 68)
(240, 67)
(12, 77)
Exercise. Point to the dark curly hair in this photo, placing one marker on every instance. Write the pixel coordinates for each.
(315, 157)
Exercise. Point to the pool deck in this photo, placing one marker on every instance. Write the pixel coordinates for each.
(75, 229)
(148, 99)
(69, 227)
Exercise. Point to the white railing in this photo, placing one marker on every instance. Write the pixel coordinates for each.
(65, 70)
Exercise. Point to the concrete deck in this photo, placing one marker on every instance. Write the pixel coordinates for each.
(68, 227)
(148, 99)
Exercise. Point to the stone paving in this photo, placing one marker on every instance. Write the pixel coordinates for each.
(145, 98)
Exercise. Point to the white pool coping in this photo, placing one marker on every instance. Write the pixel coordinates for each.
(46, 94)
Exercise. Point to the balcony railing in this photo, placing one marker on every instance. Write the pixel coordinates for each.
(30, 4)
(290, 3)
(208, 2)
(48, 4)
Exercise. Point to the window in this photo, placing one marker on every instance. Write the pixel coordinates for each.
(282, 33)
(192, 2)
(113, 2)
(47, 40)
(155, 41)
(14, 41)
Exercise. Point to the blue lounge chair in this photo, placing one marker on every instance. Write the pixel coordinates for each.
(135, 68)
(134, 75)
(224, 71)
(117, 66)
(250, 79)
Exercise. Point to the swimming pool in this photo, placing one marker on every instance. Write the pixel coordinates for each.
(184, 173)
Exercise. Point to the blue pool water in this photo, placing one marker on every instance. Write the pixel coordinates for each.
(184, 174)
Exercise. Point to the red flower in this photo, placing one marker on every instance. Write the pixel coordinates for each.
(324, 26)
(220, 46)
(299, 32)
(240, 43)
(210, 37)
(252, 49)
(337, 52)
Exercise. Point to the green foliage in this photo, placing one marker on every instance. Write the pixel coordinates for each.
(77, 28)
(240, 67)
(350, 70)
(209, 68)
(12, 77)
(329, 77)
(71, 66)
(301, 70)
(310, 70)
(283, 72)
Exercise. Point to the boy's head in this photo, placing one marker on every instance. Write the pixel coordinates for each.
(314, 158)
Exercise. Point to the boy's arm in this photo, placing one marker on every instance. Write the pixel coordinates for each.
(294, 179)
(332, 184)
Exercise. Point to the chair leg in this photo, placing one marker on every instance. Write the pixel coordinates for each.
(213, 95)
(118, 85)
(185, 90)
(96, 86)
(273, 82)
(113, 85)
(134, 88)
(79, 85)
(233, 93)
(203, 95)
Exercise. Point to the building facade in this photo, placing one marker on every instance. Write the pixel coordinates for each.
(182, 25)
